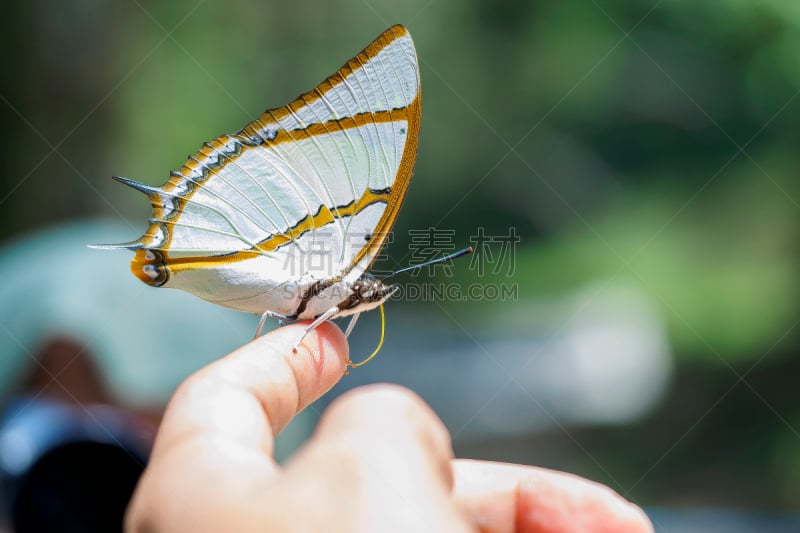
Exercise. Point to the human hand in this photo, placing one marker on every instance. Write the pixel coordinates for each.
(380, 459)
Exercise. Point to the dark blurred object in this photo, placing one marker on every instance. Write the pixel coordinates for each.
(69, 461)
(69, 467)
(79, 380)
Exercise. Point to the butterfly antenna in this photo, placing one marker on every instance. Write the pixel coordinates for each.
(435, 261)
(380, 343)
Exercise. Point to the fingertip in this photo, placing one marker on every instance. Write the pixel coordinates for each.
(638, 521)
(315, 364)
(333, 339)
(582, 503)
(322, 353)
(512, 496)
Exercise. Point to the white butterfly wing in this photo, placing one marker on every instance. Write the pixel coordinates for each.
(305, 192)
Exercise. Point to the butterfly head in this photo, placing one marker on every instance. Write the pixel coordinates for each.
(366, 293)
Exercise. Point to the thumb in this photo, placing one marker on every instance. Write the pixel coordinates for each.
(379, 460)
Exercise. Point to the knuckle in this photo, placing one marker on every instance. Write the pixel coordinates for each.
(385, 396)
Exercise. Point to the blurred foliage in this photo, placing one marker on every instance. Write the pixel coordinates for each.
(649, 141)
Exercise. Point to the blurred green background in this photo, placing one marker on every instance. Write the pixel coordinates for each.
(653, 143)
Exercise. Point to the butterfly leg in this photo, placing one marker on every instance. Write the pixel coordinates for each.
(351, 324)
(271, 314)
(327, 315)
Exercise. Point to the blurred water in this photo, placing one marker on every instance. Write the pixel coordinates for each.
(718, 520)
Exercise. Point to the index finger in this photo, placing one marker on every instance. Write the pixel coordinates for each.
(248, 396)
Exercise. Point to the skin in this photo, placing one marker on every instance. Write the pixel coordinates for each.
(380, 459)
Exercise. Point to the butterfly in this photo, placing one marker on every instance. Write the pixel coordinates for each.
(285, 217)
